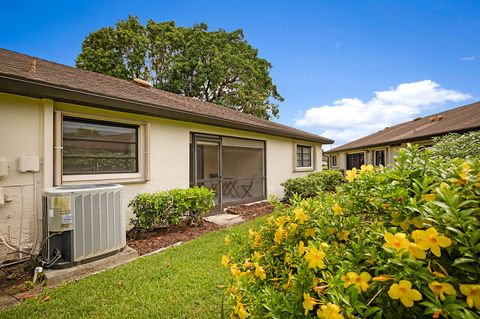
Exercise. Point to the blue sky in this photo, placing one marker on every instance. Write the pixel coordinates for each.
(329, 57)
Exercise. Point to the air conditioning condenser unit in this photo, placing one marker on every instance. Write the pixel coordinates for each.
(82, 223)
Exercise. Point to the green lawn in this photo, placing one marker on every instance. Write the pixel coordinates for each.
(178, 283)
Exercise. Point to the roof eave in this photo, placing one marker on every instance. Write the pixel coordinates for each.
(27, 87)
(405, 140)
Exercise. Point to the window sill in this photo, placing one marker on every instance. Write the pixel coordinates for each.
(103, 178)
(304, 169)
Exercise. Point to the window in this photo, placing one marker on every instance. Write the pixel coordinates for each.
(304, 156)
(99, 147)
(380, 158)
(334, 160)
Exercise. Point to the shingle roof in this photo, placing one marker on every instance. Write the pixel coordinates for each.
(69, 84)
(460, 119)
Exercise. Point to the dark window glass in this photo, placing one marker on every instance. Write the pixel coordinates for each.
(355, 160)
(380, 158)
(304, 156)
(334, 160)
(98, 147)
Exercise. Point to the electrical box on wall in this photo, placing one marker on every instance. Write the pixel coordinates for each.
(30, 163)
(3, 167)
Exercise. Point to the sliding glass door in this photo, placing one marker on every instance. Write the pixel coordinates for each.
(206, 168)
(232, 167)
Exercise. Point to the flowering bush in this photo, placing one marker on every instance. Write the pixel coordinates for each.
(400, 242)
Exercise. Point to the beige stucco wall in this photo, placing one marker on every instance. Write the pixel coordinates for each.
(27, 128)
(23, 133)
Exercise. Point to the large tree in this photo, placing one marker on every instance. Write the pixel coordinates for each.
(214, 66)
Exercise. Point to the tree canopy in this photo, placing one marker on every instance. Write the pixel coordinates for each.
(215, 66)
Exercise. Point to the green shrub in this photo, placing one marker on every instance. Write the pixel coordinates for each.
(400, 242)
(312, 184)
(457, 145)
(167, 208)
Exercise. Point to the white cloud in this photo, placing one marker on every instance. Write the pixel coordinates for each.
(468, 58)
(351, 118)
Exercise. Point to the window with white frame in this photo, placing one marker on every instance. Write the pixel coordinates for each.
(304, 156)
(99, 147)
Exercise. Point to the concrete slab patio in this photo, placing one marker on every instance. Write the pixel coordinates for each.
(225, 219)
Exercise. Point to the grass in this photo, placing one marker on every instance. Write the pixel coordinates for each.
(178, 283)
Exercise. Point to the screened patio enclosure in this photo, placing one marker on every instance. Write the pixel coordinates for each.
(234, 168)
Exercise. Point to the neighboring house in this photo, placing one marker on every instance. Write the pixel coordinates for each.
(88, 128)
(379, 148)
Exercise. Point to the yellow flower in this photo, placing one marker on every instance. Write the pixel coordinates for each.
(361, 282)
(330, 311)
(225, 261)
(289, 284)
(466, 169)
(417, 222)
(310, 232)
(416, 253)
(247, 264)
(351, 175)
(442, 288)
(259, 271)
(256, 241)
(240, 311)
(429, 239)
(235, 271)
(337, 210)
(399, 242)
(301, 248)
(292, 227)
(257, 256)
(382, 278)
(300, 216)
(282, 220)
(308, 302)
(429, 197)
(366, 168)
(227, 240)
(343, 235)
(279, 235)
(398, 220)
(330, 231)
(473, 295)
(315, 258)
(403, 291)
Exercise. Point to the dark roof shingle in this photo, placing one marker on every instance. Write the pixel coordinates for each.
(64, 83)
(460, 119)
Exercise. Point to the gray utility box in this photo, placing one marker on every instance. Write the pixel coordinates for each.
(83, 222)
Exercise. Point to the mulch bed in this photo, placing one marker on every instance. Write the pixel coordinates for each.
(251, 211)
(151, 241)
(13, 278)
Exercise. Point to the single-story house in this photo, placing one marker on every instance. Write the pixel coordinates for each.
(60, 125)
(379, 148)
